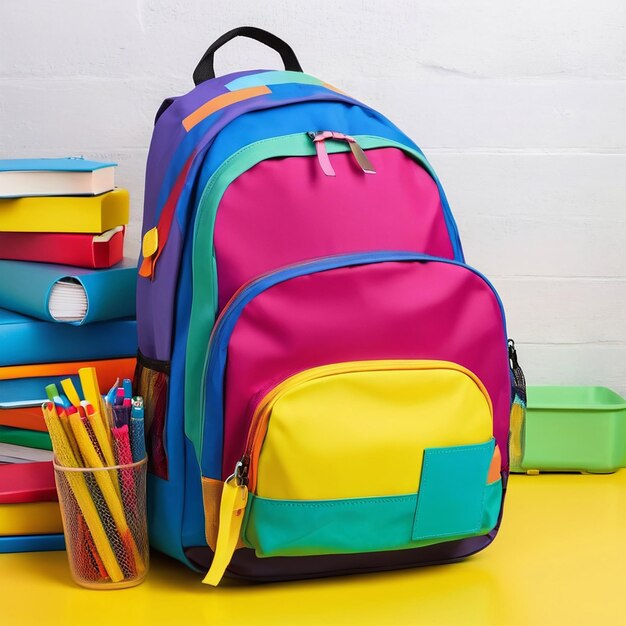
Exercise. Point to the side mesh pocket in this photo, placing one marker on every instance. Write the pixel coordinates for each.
(518, 413)
(151, 381)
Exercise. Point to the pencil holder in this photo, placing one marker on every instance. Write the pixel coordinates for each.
(105, 523)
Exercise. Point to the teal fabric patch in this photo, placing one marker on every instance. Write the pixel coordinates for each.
(272, 78)
(298, 527)
(307, 527)
(452, 491)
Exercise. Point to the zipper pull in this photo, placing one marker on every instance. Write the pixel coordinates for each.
(519, 380)
(320, 149)
(232, 508)
(359, 154)
(512, 354)
(517, 426)
(320, 136)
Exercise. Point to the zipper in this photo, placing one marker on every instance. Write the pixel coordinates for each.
(245, 469)
(519, 380)
(320, 136)
(247, 292)
(512, 354)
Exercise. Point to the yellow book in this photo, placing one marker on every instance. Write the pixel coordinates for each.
(30, 518)
(65, 214)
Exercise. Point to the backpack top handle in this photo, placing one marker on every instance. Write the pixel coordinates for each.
(205, 70)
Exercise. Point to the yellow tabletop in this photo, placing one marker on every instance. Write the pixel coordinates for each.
(560, 559)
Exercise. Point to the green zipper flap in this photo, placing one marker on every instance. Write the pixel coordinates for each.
(204, 285)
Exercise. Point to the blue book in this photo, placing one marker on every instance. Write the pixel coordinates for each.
(27, 392)
(71, 176)
(27, 341)
(60, 293)
(32, 543)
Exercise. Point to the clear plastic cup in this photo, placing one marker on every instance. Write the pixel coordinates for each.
(105, 524)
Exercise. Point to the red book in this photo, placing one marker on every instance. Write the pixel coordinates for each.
(77, 249)
(27, 482)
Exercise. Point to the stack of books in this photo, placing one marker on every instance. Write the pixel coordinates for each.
(67, 301)
(30, 518)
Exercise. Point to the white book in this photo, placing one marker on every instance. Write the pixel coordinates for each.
(71, 176)
(23, 454)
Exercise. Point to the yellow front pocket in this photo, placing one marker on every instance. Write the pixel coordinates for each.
(359, 429)
(365, 456)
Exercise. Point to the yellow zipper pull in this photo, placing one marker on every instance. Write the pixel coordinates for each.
(232, 508)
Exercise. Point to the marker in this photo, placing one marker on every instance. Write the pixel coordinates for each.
(52, 391)
(137, 434)
(121, 415)
(127, 385)
(119, 396)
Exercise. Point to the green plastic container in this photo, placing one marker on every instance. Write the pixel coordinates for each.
(574, 429)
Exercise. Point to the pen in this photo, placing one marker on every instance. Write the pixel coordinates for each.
(137, 435)
(121, 415)
(119, 396)
(108, 412)
(127, 385)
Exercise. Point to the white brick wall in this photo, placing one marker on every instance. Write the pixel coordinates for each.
(521, 107)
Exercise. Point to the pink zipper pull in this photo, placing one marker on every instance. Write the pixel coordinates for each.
(321, 136)
(320, 148)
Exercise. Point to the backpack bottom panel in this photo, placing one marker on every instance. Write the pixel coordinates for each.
(246, 565)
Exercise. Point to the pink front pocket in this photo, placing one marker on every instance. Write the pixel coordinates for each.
(286, 210)
(364, 307)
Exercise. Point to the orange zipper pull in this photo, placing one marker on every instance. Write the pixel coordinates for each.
(232, 508)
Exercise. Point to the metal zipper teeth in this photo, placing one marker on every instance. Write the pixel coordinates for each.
(323, 263)
(262, 413)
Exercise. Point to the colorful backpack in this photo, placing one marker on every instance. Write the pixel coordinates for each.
(327, 383)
